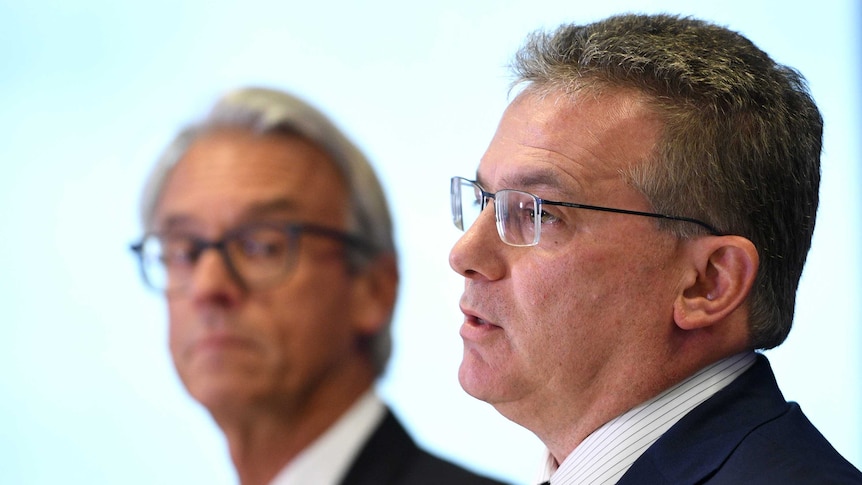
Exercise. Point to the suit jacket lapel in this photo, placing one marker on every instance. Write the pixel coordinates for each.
(378, 461)
(701, 441)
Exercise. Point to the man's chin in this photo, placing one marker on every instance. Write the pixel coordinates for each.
(476, 378)
(222, 395)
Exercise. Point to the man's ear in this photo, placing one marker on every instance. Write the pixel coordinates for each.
(375, 288)
(721, 277)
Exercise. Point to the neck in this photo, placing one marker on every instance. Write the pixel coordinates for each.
(627, 384)
(262, 441)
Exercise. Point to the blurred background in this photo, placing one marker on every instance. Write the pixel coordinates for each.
(91, 90)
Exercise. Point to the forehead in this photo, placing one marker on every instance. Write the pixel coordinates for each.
(569, 140)
(228, 175)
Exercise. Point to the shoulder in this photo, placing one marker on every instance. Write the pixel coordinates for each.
(792, 450)
(427, 469)
(392, 457)
(745, 433)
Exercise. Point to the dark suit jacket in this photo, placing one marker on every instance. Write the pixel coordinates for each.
(391, 457)
(744, 434)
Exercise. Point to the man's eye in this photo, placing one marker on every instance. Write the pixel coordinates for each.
(179, 252)
(546, 217)
(263, 247)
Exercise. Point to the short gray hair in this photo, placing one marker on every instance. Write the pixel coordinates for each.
(741, 142)
(268, 111)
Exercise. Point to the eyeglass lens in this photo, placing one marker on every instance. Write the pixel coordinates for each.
(255, 256)
(515, 211)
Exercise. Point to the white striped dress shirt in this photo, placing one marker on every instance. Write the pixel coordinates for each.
(606, 454)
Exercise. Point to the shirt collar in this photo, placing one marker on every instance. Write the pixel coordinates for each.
(606, 454)
(329, 457)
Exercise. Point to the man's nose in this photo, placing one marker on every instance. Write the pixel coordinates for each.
(213, 278)
(477, 252)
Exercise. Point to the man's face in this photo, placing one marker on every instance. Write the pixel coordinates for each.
(237, 348)
(554, 327)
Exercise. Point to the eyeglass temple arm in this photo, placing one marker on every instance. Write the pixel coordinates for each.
(712, 230)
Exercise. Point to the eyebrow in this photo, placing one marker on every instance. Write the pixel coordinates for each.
(256, 210)
(542, 178)
(264, 208)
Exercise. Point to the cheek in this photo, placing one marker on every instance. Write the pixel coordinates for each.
(308, 318)
(179, 328)
(569, 292)
(558, 284)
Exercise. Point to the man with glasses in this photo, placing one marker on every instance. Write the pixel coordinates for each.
(635, 232)
(270, 237)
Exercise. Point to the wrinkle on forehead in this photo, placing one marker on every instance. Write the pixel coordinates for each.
(233, 176)
(567, 141)
(619, 117)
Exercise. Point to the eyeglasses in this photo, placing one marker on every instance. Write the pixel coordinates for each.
(256, 255)
(520, 215)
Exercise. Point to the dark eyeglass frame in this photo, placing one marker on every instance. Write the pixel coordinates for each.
(292, 230)
(457, 210)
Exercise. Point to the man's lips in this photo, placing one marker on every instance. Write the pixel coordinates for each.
(221, 342)
(477, 321)
(476, 326)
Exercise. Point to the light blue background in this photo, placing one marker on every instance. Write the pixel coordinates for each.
(90, 90)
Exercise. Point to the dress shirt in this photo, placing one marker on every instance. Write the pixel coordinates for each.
(606, 454)
(327, 459)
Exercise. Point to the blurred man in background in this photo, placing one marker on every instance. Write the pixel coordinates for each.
(270, 236)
